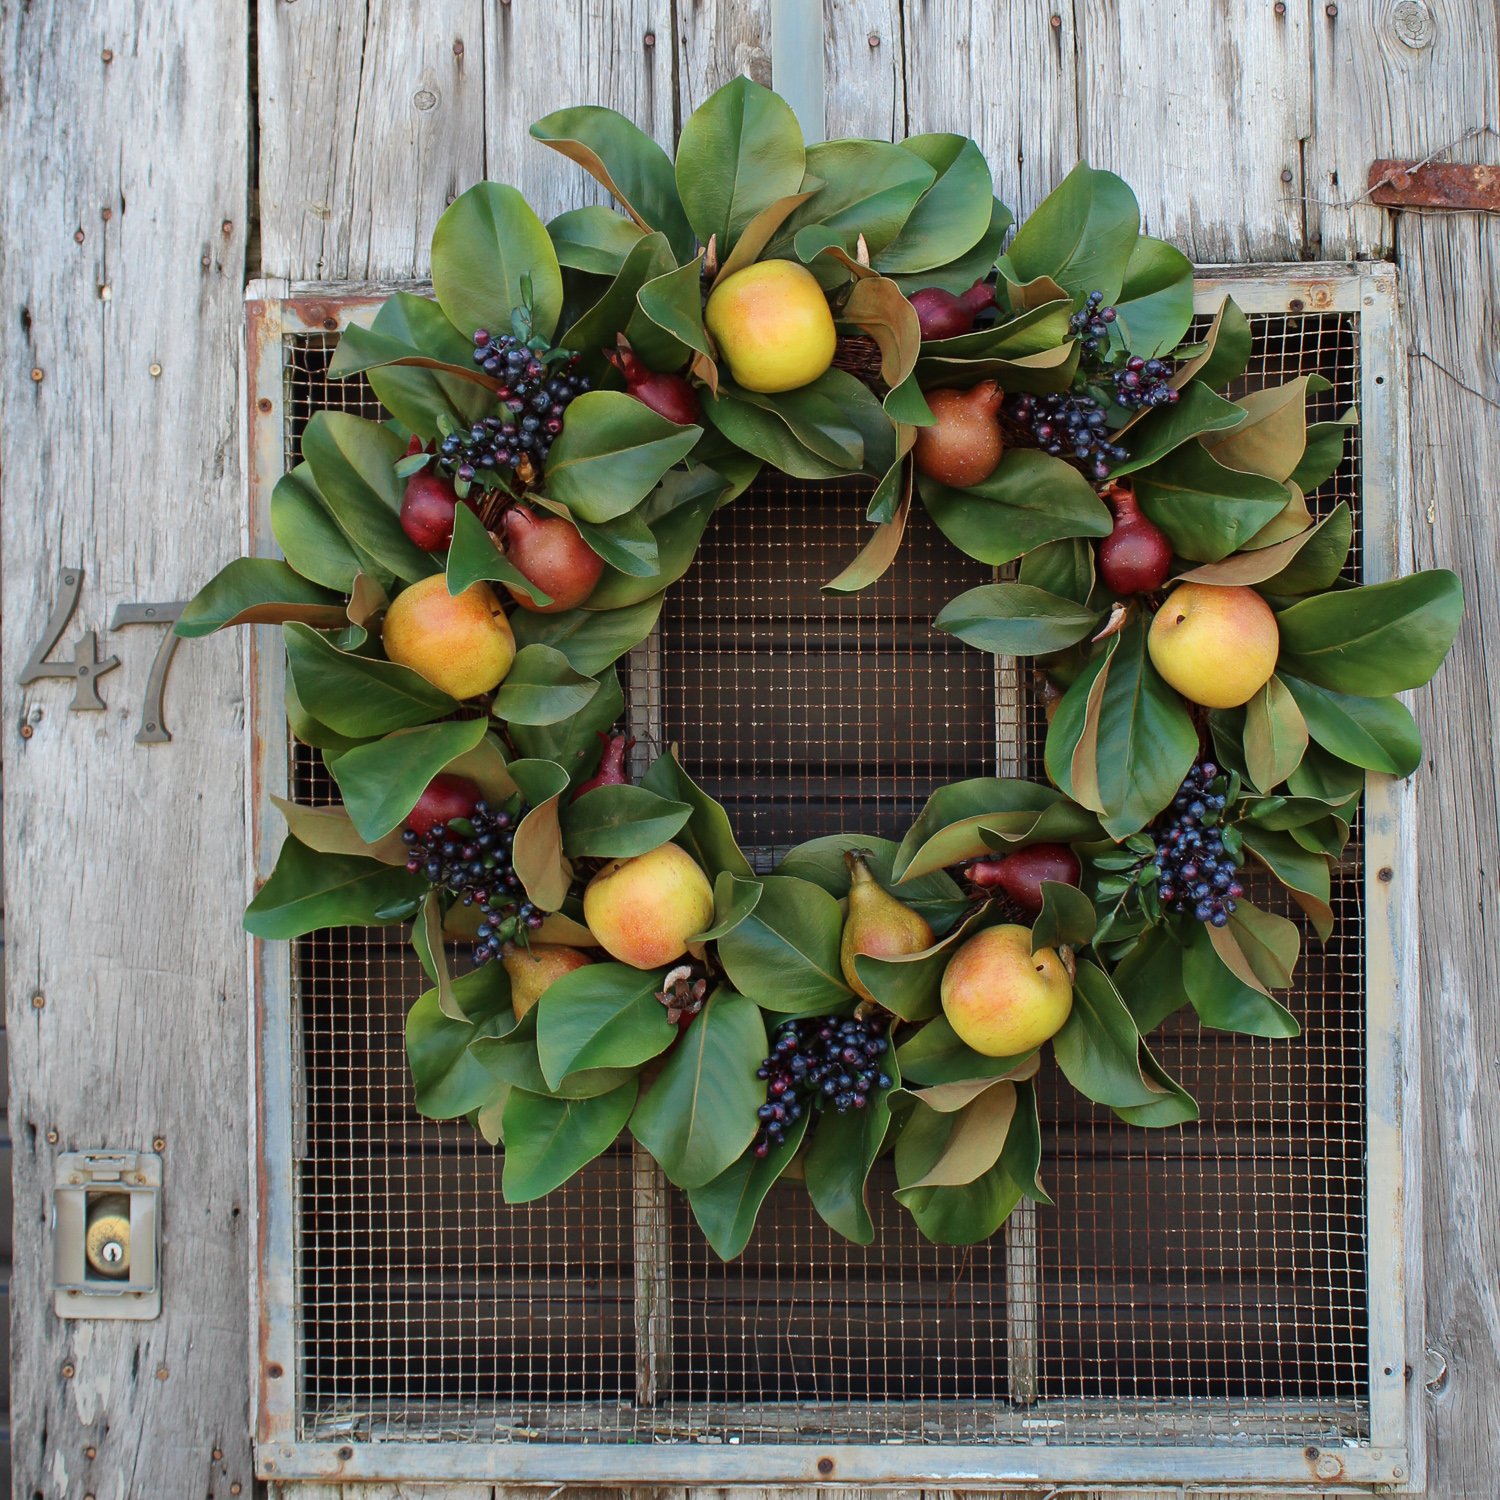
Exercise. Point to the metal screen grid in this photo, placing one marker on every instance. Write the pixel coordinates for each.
(1210, 1268)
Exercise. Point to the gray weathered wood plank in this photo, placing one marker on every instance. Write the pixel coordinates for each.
(863, 68)
(371, 121)
(125, 189)
(715, 41)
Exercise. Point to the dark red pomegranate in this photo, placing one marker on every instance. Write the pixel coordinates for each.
(1020, 875)
(1136, 557)
(428, 506)
(611, 770)
(447, 797)
(941, 315)
(669, 396)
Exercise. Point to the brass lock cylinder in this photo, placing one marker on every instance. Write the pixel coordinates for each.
(107, 1243)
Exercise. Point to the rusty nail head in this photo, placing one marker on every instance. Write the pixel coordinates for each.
(162, 1372)
(78, 236)
(1280, 7)
(1055, 21)
(68, 1372)
(26, 733)
(52, 1136)
(1400, 179)
(1386, 874)
(234, 1489)
(264, 404)
(330, 323)
(346, 1452)
(107, 55)
(275, 1371)
(38, 1000)
(825, 1466)
(91, 1452)
(649, 39)
(1330, 11)
(38, 374)
(106, 214)
(458, 46)
(159, 1144)
(88, 1495)
(218, 1454)
(154, 368)
(873, 39)
(1286, 174)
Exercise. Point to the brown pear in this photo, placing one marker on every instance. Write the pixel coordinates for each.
(962, 447)
(877, 924)
(532, 971)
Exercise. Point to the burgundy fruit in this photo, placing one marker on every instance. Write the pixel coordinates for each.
(963, 445)
(446, 798)
(1020, 875)
(611, 770)
(941, 315)
(428, 506)
(669, 396)
(554, 556)
(1136, 557)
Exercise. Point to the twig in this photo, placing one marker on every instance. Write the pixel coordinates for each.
(1443, 369)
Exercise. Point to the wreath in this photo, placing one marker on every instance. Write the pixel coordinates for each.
(566, 415)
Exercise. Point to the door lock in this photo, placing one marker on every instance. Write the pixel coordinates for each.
(106, 1221)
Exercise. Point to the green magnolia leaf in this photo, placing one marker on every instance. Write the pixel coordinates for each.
(1064, 568)
(1225, 1001)
(1149, 978)
(1324, 453)
(1225, 352)
(837, 1165)
(309, 536)
(617, 311)
(1269, 943)
(448, 1080)
(1272, 437)
(1143, 739)
(1378, 734)
(574, 743)
(591, 639)
(359, 696)
(909, 986)
(726, 1208)
(616, 822)
(935, 1055)
(1158, 431)
(877, 554)
(548, 1140)
(600, 1016)
(1099, 1049)
(869, 188)
(674, 303)
(952, 216)
(1031, 498)
(973, 265)
(1306, 563)
(627, 162)
(1305, 874)
(308, 729)
(965, 1149)
(674, 516)
(734, 899)
(353, 463)
(707, 836)
(948, 829)
(1379, 639)
(740, 151)
(474, 558)
(381, 782)
(1015, 619)
(1173, 1106)
(627, 547)
(1082, 235)
(330, 830)
(487, 247)
(1275, 735)
(593, 239)
(511, 1059)
(308, 891)
(611, 454)
(542, 688)
(785, 954)
(1067, 917)
(537, 851)
(936, 897)
(258, 591)
(1155, 302)
(1206, 509)
(699, 1113)
(760, 429)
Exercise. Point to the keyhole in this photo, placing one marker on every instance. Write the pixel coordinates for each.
(112, 1252)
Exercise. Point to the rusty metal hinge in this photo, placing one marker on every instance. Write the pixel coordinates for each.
(1453, 186)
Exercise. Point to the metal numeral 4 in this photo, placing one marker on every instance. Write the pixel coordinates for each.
(86, 668)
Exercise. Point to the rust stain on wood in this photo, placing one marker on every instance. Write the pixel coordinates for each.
(1436, 184)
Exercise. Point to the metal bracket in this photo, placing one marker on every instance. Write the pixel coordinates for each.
(106, 1232)
(1454, 186)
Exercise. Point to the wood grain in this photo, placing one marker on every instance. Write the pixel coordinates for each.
(717, 40)
(125, 244)
(864, 72)
(371, 122)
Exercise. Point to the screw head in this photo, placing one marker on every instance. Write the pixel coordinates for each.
(38, 374)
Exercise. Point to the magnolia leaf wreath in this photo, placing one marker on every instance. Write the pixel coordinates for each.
(567, 413)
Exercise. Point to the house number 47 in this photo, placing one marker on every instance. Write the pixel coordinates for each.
(86, 667)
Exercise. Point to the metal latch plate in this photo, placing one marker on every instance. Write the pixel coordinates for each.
(106, 1235)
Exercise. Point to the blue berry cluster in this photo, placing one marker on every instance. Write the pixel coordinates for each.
(819, 1064)
(1195, 874)
(1091, 323)
(1070, 426)
(1143, 382)
(471, 858)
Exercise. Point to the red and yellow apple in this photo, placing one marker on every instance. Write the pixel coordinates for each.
(772, 325)
(1000, 997)
(462, 644)
(643, 910)
(1217, 646)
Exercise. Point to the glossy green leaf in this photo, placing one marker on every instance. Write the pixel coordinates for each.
(1222, 999)
(1324, 452)
(308, 891)
(960, 1150)
(611, 454)
(1155, 302)
(596, 329)
(869, 188)
(947, 830)
(330, 830)
(574, 743)
(447, 1078)
(548, 1140)
(1379, 639)
(1269, 942)
(1015, 619)
(1225, 353)
(707, 836)
(309, 536)
(591, 639)
(511, 1059)
(600, 1016)
(1275, 735)
(537, 852)
(674, 303)
(473, 557)
(734, 899)
(486, 247)
(1067, 917)
(1206, 509)
(952, 216)
(674, 516)
(1154, 434)
(1031, 498)
(1272, 437)
(542, 688)
(1305, 563)
(815, 418)
(1378, 734)
(973, 265)
(935, 1055)
(625, 160)
(761, 431)
(359, 696)
(837, 1165)
(381, 782)
(726, 1208)
(616, 822)
(1064, 567)
(1149, 979)
(1099, 1047)
(739, 152)
(699, 1113)
(594, 239)
(909, 986)
(1305, 874)
(937, 897)
(1082, 234)
(785, 954)
(258, 591)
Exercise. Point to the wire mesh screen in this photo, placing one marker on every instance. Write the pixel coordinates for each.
(1204, 1279)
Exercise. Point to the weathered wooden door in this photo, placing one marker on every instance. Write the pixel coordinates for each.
(158, 156)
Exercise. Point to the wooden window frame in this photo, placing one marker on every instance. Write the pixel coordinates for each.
(1203, 1454)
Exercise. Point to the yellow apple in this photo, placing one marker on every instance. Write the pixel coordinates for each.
(460, 643)
(643, 910)
(772, 325)
(1216, 646)
(532, 971)
(1000, 997)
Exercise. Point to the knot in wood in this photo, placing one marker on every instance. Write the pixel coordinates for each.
(1413, 24)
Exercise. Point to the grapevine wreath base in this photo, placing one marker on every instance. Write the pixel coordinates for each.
(566, 416)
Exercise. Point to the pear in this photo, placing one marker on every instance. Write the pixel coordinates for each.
(532, 971)
(963, 446)
(877, 924)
